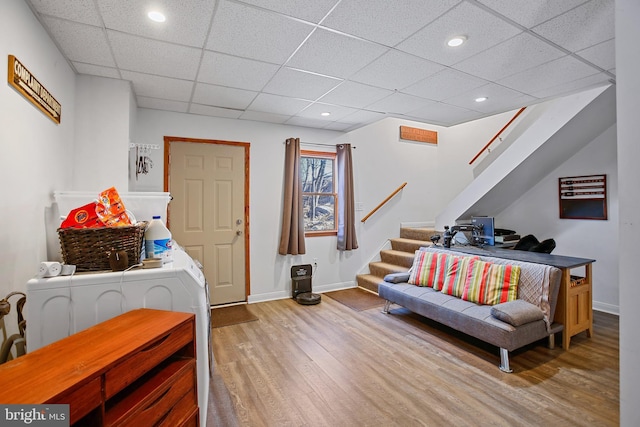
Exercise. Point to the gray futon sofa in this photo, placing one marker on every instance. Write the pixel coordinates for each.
(507, 325)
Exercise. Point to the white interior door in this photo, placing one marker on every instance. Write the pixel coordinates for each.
(207, 213)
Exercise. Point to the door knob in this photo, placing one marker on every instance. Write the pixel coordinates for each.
(238, 221)
(239, 233)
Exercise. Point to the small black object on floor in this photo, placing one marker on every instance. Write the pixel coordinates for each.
(308, 298)
(301, 285)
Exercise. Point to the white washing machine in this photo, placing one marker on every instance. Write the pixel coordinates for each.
(59, 306)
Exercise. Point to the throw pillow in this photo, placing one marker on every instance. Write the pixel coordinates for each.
(456, 275)
(397, 277)
(491, 284)
(517, 312)
(424, 268)
(444, 262)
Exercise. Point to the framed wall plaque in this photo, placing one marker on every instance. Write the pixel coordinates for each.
(583, 197)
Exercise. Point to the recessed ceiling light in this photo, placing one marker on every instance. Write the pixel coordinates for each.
(156, 16)
(481, 99)
(456, 41)
(325, 114)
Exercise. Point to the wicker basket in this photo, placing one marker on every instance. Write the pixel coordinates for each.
(89, 248)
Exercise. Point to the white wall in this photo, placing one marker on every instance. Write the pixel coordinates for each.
(628, 98)
(269, 271)
(101, 154)
(461, 144)
(37, 154)
(537, 213)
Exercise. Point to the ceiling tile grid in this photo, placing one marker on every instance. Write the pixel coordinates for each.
(288, 61)
(252, 33)
(383, 21)
(181, 28)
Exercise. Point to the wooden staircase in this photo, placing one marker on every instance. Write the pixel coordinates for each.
(397, 259)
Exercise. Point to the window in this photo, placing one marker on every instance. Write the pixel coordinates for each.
(319, 197)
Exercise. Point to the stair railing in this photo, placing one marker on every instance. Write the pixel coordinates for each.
(397, 190)
(486, 147)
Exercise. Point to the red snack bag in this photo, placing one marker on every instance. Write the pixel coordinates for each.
(111, 210)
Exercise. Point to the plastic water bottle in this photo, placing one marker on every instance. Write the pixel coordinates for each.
(157, 241)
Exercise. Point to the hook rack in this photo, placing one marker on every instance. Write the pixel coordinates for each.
(144, 146)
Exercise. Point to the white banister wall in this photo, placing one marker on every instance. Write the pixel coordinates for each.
(524, 162)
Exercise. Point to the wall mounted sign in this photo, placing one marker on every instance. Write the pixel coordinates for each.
(583, 197)
(25, 83)
(419, 135)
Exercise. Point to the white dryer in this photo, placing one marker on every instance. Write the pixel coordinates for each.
(59, 306)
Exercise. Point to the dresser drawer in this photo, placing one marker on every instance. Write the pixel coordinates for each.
(82, 399)
(148, 401)
(144, 360)
(182, 413)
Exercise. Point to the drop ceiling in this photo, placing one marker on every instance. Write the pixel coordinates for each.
(289, 61)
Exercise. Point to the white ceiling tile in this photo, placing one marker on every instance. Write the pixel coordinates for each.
(74, 10)
(312, 11)
(398, 103)
(356, 95)
(252, 33)
(529, 13)
(339, 126)
(315, 110)
(96, 70)
(260, 116)
(582, 27)
(334, 54)
(154, 57)
(482, 30)
(595, 80)
(445, 84)
(265, 102)
(396, 70)
(298, 84)
(444, 114)
(517, 54)
(241, 73)
(159, 87)
(363, 116)
(306, 122)
(187, 20)
(219, 96)
(363, 18)
(162, 104)
(560, 71)
(498, 98)
(341, 54)
(603, 55)
(207, 110)
(80, 42)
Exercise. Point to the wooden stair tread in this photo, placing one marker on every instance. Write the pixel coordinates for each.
(398, 259)
(387, 265)
(407, 240)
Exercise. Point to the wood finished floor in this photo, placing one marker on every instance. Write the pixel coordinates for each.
(328, 365)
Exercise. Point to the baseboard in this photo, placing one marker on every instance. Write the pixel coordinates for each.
(272, 296)
(606, 308)
(334, 287)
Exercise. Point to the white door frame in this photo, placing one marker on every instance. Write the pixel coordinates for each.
(246, 145)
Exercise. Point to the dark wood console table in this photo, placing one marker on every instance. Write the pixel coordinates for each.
(574, 308)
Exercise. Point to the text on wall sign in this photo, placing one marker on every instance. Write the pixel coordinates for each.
(24, 82)
(419, 135)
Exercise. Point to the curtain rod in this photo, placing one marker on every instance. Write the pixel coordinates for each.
(321, 144)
